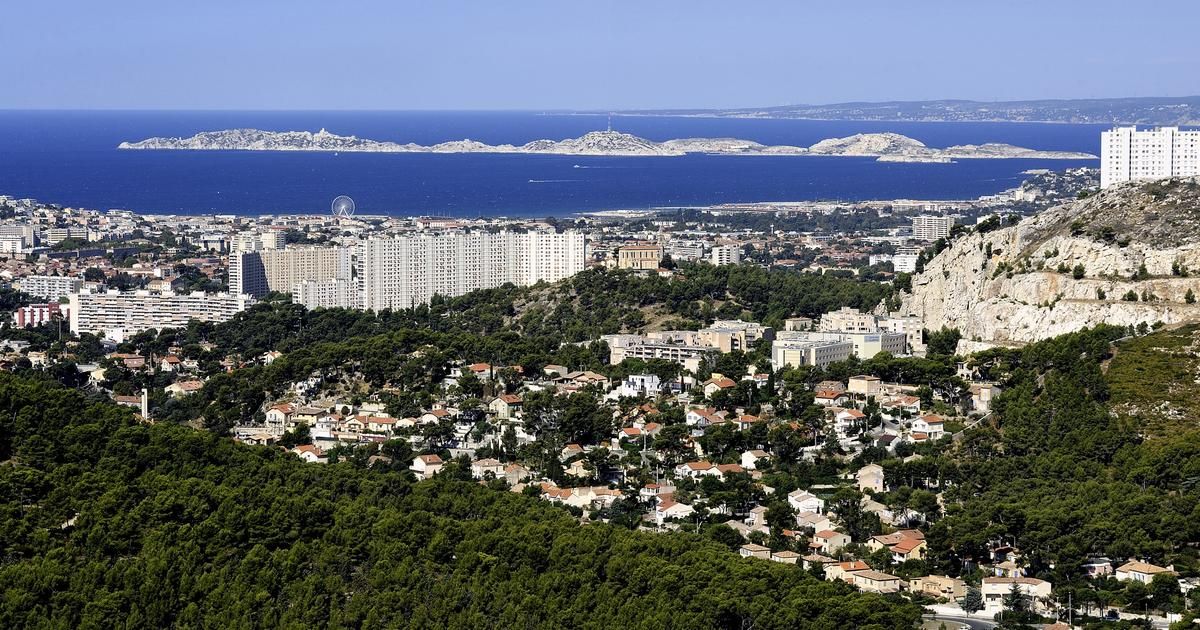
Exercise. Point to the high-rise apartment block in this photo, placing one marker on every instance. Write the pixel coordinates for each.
(1127, 154)
(726, 255)
(116, 314)
(408, 270)
(259, 272)
(930, 227)
(50, 288)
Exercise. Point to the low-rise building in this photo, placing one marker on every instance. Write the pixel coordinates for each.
(996, 589)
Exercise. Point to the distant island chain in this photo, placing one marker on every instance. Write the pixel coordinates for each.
(884, 146)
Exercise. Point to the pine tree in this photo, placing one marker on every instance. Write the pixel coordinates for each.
(973, 600)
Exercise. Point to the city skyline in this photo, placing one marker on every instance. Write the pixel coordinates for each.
(614, 55)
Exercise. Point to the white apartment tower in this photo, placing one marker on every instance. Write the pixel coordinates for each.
(928, 227)
(402, 272)
(1127, 154)
(726, 255)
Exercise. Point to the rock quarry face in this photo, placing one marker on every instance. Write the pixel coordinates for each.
(1016, 284)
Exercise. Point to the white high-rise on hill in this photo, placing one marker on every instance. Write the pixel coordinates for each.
(405, 271)
(1127, 154)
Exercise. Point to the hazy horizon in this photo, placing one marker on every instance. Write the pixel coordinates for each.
(551, 56)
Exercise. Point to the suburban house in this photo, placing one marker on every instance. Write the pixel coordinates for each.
(426, 466)
(751, 458)
(864, 385)
(482, 467)
(716, 384)
(671, 509)
(905, 544)
(786, 556)
(805, 501)
(843, 571)
(939, 586)
(1141, 571)
(870, 477)
(696, 469)
(828, 541)
(505, 406)
(995, 589)
(751, 550)
(830, 398)
(931, 425)
(875, 581)
(310, 454)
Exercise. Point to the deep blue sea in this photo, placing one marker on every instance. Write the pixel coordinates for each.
(70, 158)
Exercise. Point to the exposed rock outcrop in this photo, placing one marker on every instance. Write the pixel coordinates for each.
(1136, 246)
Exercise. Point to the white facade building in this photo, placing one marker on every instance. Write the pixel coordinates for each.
(1127, 154)
(800, 351)
(116, 314)
(726, 255)
(928, 227)
(259, 272)
(50, 288)
(405, 271)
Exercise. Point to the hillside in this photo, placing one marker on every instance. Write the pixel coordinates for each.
(1165, 110)
(1133, 248)
(105, 523)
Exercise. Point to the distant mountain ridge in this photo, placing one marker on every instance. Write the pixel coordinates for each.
(1158, 110)
(885, 146)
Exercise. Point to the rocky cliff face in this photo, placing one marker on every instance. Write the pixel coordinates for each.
(1137, 246)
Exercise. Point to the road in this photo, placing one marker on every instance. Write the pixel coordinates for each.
(954, 622)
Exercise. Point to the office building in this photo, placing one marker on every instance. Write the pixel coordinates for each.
(1127, 154)
(726, 255)
(50, 288)
(119, 314)
(929, 227)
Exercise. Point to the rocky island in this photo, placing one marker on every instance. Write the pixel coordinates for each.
(884, 146)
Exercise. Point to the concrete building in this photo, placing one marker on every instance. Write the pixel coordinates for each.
(928, 227)
(1127, 154)
(734, 334)
(726, 255)
(847, 319)
(50, 288)
(690, 356)
(405, 271)
(686, 250)
(37, 314)
(639, 257)
(258, 272)
(798, 351)
(117, 314)
(336, 293)
(911, 326)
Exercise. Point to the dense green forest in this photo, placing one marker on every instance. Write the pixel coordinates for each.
(106, 523)
(1059, 475)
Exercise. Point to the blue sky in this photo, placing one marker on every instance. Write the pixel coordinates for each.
(563, 54)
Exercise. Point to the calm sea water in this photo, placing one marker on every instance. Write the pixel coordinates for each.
(70, 158)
